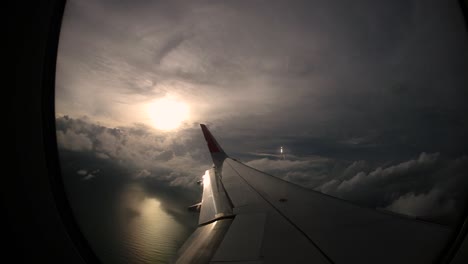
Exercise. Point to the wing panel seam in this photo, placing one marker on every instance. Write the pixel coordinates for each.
(285, 217)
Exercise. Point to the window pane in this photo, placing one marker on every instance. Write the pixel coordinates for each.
(363, 101)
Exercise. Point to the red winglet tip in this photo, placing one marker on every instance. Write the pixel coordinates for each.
(210, 140)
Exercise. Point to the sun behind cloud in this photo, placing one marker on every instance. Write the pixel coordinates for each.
(167, 113)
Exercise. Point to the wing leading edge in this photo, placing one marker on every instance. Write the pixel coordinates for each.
(248, 216)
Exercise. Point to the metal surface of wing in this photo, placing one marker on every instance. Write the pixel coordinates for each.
(344, 232)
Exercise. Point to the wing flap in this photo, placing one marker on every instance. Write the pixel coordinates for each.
(202, 244)
(247, 228)
(215, 203)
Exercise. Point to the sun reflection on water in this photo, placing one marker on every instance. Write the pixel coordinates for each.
(152, 235)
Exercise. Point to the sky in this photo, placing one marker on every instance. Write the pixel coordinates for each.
(366, 98)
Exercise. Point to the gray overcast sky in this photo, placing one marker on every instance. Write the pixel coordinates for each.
(367, 97)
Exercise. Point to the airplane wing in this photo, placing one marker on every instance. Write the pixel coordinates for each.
(248, 216)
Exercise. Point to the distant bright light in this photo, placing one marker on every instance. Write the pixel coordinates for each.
(167, 113)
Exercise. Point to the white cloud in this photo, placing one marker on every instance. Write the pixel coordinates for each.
(102, 155)
(88, 177)
(82, 172)
(423, 204)
(107, 143)
(143, 173)
(355, 168)
(381, 174)
(150, 153)
(428, 186)
(73, 141)
(182, 181)
(328, 187)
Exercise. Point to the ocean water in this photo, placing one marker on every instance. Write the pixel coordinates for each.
(125, 220)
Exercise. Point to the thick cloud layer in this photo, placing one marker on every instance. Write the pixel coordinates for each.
(429, 186)
(177, 159)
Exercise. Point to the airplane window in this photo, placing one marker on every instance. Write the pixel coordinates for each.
(362, 101)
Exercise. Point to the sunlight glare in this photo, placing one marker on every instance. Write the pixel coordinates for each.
(167, 113)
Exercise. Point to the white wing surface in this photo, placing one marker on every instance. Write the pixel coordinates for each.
(248, 216)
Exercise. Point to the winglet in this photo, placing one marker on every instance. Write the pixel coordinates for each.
(217, 153)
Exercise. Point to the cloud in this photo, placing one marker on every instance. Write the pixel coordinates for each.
(176, 158)
(429, 186)
(306, 171)
(381, 174)
(143, 173)
(422, 204)
(102, 155)
(280, 164)
(73, 141)
(88, 177)
(82, 172)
